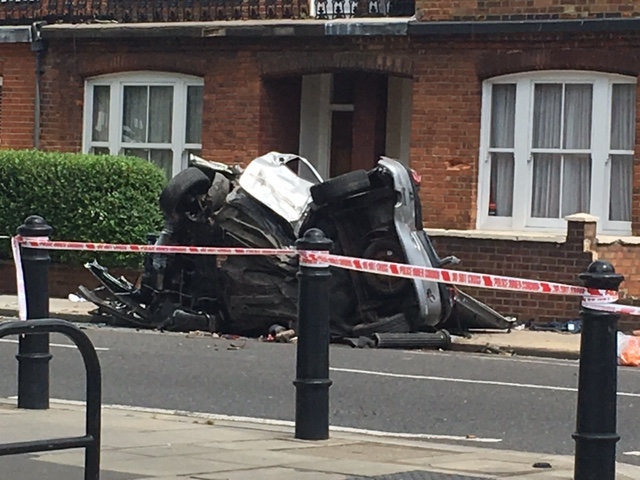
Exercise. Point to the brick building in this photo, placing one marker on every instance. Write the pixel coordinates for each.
(516, 113)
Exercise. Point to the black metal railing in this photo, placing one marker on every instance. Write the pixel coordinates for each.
(25, 12)
(91, 440)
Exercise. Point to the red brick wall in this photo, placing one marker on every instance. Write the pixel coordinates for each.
(233, 92)
(63, 279)
(446, 109)
(17, 68)
(626, 260)
(553, 262)
(430, 10)
(244, 115)
(560, 262)
(280, 114)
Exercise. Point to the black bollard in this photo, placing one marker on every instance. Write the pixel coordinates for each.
(33, 349)
(596, 437)
(312, 364)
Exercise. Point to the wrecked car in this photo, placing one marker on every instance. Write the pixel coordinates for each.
(372, 214)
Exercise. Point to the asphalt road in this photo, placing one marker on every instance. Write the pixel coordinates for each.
(517, 403)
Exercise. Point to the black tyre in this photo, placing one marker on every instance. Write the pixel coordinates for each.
(191, 181)
(340, 187)
(220, 188)
(396, 323)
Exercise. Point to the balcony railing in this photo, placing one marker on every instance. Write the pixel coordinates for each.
(25, 12)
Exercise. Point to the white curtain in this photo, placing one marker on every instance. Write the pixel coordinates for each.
(194, 114)
(134, 115)
(160, 114)
(623, 114)
(501, 196)
(561, 182)
(147, 114)
(621, 183)
(546, 188)
(576, 184)
(101, 99)
(503, 107)
(547, 115)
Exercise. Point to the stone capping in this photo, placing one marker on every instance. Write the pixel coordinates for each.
(520, 236)
(588, 232)
(517, 236)
(581, 217)
(622, 239)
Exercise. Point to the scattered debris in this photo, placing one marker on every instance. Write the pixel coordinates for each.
(571, 326)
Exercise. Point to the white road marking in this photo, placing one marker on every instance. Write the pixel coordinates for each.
(60, 345)
(465, 380)
(502, 358)
(282, 423)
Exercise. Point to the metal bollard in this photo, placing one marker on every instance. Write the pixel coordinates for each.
(33, 349)
(312, 364)
(596, 436)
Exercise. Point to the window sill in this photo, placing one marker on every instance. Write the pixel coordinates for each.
(517, 236)
(524, 236)
(622, 239)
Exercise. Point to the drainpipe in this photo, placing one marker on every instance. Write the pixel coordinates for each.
(38, 46)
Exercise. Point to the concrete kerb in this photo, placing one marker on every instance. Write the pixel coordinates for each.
(58, 308)
(562, 346)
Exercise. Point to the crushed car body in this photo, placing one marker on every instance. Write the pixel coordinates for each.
(372, 214)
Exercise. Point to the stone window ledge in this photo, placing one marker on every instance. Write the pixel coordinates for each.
(524, 236)
(499, 235)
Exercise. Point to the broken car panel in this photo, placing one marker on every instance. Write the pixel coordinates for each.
(372, 214)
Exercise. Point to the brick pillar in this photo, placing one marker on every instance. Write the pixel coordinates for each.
(581, 232)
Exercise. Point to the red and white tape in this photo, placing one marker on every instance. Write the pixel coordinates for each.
(591, 298)
(43, 242)
(22, 298)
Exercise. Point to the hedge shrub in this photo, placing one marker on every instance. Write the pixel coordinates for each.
(94, 198)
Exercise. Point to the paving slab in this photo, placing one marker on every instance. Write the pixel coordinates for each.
(139, 444)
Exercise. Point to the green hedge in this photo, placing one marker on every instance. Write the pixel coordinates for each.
(96, 198)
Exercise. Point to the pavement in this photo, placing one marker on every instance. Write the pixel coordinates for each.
(145, 444)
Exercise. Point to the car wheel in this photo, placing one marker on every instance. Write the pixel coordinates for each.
(340, 187)
(191, 181)
(396, 323)
(387, 251)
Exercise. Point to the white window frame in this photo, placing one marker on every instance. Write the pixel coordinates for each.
(180, 83)
(521, 219)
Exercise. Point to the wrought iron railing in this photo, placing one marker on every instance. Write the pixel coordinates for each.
(24, 12)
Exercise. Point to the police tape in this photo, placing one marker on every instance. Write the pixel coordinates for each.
(45, 243)
(595, 299)
(22, 298)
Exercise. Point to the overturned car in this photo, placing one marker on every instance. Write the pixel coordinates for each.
(372, 214)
